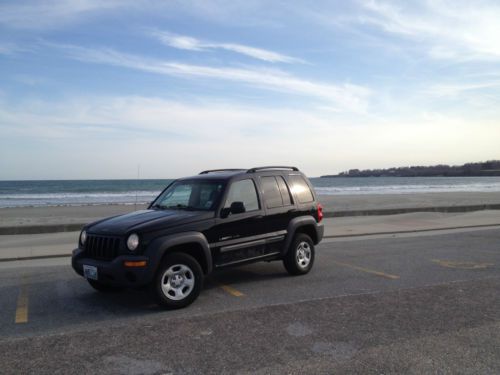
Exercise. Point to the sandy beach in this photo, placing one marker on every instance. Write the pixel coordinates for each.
(29, 216)
(387, 201)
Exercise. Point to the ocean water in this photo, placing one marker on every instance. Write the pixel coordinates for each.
(78, 192)
(95, 192)
(404, 185)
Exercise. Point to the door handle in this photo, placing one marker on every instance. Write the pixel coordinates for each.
(292, 210)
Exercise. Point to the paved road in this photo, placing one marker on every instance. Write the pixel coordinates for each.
(413, 304)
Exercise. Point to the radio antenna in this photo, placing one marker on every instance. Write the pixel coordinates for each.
(137, 185)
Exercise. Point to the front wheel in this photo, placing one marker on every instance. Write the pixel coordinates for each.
(178, 281)
(300, 256)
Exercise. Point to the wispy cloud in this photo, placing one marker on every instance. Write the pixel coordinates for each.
(10, 49)
(193, 44)
(451, 29)
(30, 80)
(202, 121)
(442, 89)
(154, 132)
(346, 97)
(34, 14)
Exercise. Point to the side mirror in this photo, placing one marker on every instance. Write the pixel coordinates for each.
(236, 208)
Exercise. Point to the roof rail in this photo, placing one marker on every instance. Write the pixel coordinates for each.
(255, 169)
(221, 170)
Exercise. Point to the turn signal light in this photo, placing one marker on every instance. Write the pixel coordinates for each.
(138, 263)
(320, 212)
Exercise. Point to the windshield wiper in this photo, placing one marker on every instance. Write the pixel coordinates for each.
(181, 207)
(159, 206)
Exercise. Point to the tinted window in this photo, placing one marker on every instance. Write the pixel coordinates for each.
(300, 189)
(179, 195)
(271, 191)
(196, 195)
(243, 191)
(285, 193)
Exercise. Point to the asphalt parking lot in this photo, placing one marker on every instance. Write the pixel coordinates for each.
(411, 304)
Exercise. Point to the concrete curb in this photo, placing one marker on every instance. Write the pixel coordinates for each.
(54, 228)
(37, 229)
(395, 211)
(412, 231)
(35, 257)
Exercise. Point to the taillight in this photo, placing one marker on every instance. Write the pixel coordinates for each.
(320, 212)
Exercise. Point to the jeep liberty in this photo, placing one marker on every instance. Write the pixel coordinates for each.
(219, 218)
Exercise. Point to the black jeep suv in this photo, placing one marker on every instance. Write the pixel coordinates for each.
(216, 219)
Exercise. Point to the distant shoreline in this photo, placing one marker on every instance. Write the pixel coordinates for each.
(489, 168)
(385, 176)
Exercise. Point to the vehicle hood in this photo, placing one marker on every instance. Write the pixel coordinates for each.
(145, 219)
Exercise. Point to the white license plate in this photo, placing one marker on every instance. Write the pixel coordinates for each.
(90, 272)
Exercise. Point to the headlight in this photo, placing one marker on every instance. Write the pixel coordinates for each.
(133, 242)
(83, 237)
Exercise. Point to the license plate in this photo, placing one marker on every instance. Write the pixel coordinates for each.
(90, 272)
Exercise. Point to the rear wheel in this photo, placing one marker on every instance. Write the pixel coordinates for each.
(104, 288)
(300, 256)
(178, 282)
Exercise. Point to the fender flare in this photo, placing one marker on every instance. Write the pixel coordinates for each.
(159, 246)
(292, 228)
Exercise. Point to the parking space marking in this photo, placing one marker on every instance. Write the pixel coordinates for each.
(367, 270)
(232, 291)
(22, 304)
(464, 265)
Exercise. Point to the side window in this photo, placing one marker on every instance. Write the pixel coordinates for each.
(285, 193)
(272, 194)
(301, 189)
(243, 191)
(207, 195)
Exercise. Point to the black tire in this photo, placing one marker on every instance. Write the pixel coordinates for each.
(185, 271)
(299, 258)
(104, 288)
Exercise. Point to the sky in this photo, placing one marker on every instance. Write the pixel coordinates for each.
(98, 89)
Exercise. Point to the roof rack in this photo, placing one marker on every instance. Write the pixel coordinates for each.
(221, 170)
(255, 169)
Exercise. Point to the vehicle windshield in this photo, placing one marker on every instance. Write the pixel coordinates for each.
(196, 195)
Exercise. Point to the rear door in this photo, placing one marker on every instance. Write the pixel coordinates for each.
(279, 208)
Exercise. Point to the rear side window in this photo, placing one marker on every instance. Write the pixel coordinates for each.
(272, 194)
(285, 193)
(243, 191)
(300, 189)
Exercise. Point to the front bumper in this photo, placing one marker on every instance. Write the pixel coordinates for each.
(114, 272)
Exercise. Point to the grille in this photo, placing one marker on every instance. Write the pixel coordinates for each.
(102, 247)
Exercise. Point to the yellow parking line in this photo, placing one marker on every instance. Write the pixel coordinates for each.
(22, 305)
(231, 290)
(462, 264)
(367, 270)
